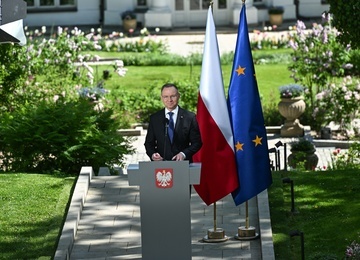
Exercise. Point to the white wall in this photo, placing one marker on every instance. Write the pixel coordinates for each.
(312, 9)
(87, 13)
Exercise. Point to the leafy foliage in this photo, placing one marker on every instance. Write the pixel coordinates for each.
(291, 91)
(46, 123)
(346, 20)
(128, 15)
(340, 103)
(348, 160)
(276, 10)
(63, 136)
(139, 106)
(353, 251)
(302, 145)
(318, 60)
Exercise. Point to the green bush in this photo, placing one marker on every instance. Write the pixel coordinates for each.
(318, 60)
(48, 120)
(355, 60)
(271, 114)
(62, 136)
(346, 20)
(137, 107)
(346, 160)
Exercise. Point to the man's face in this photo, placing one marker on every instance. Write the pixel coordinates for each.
(170, 98)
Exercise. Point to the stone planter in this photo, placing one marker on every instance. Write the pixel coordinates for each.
(308, 158)
(276, 19)
(129, 24)
(292, 109)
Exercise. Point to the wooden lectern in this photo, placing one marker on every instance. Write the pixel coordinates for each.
(165, 207)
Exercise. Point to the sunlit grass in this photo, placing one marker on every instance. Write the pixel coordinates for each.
(33, 207)
(139, 78)
(327, 208)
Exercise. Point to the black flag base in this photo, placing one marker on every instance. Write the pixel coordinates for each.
(215, 236)
(246, 233)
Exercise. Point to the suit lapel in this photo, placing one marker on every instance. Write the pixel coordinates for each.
(179, 120)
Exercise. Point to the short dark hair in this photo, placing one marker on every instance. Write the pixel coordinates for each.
(169, 85)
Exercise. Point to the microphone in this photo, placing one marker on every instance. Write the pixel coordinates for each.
(166, 127)
(166, 135)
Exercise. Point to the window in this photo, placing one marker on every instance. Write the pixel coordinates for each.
(222, 4)
(141, 2)
(324, 2)
(30, 2)
(179, 5)
(199, 4)
(67, 2)
(46, 2)
(50, 3)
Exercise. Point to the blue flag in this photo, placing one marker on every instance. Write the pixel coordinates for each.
(247, 121)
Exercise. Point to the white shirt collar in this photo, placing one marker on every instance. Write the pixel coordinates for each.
(175, 111)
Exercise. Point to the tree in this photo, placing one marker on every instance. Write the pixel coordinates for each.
(346, 19)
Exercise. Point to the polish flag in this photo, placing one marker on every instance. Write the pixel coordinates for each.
(218, 165)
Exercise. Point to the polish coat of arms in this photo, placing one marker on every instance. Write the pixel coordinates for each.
(164, 178)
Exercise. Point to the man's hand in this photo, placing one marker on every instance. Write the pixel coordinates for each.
(179, 157)
(156, 157)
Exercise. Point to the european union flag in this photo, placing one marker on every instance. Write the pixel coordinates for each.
(247, 121)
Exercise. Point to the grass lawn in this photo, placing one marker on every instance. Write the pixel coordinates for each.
(328, 206)
(33, 207)
(138, 78)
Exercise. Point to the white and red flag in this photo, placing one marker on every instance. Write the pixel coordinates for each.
(218, 165)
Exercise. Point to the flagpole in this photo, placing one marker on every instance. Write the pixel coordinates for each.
(247, 232)
(215, 235)
(247, 214)
(243, 60)
(215, 216)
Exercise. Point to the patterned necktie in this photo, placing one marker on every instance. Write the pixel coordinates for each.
(171, 126)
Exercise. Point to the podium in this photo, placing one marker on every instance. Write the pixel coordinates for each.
(165, 207)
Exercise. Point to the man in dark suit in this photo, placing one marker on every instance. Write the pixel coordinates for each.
(173, 132)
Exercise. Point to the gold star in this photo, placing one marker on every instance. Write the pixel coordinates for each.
(257, 140)
(239, 146)
(240, 70)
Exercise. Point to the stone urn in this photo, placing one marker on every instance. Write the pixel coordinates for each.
(129, 20)
(129, 24)
(292, 109)
(276, 15)
(276, 19)
(308, 158)
(303, 154)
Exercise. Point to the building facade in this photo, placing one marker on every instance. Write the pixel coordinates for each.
(163, 13)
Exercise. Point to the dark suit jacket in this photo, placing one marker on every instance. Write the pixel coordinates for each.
(187, 137)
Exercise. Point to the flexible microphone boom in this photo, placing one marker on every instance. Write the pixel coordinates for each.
(166, 136)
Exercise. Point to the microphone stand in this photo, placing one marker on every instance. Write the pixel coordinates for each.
(166, 136)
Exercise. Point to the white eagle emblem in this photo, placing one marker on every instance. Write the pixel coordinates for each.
(164, 178)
